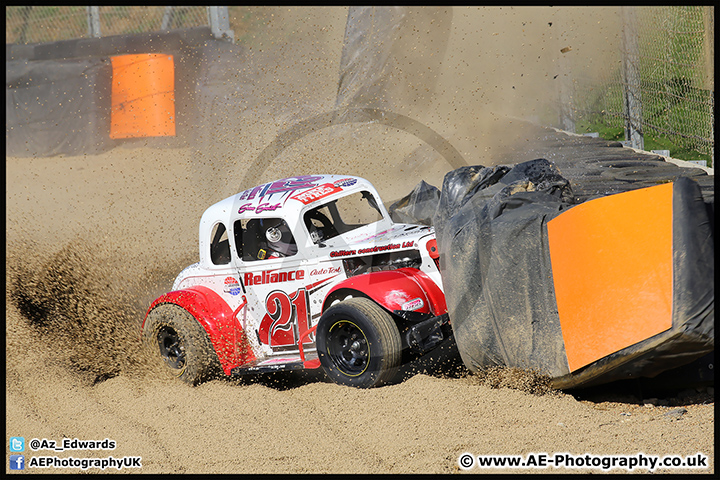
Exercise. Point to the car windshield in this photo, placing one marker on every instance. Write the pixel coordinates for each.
(341, 216)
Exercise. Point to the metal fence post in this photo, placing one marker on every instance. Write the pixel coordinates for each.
(219, 20)
(631, 80)
(167, 18)
(93, 21)
(709, 25)
(25, 18)
(565, 82)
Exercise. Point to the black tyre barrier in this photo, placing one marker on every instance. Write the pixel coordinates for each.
(501, 282)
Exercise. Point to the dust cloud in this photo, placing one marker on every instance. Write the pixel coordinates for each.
(93, 239)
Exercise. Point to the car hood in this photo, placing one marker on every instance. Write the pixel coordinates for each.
(396, 232)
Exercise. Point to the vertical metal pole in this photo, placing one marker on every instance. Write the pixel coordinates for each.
(709, 23)
(25, 17)
(565, 85)
(167, 18)
(219, 20)
(93, 20)
(631, 77)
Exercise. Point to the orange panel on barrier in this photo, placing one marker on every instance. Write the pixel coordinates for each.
(143, 96)
(612, 270)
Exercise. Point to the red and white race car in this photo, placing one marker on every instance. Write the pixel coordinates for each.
(302, 273)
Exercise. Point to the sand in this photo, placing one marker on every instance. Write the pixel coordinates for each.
(75, 369)
(93, 239)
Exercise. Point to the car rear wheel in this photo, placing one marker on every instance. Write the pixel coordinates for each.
(172, 334)
(358, 343)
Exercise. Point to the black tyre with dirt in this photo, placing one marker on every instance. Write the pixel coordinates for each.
(358, 343)
(174, 335)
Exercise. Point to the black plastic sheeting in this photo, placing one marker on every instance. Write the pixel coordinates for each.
(58, 94)
(495, 264)
(692, 334)
(389, 59)
(55, 107)
(491, 227)
(418, 206)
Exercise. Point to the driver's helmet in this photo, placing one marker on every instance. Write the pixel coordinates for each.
(279, 237)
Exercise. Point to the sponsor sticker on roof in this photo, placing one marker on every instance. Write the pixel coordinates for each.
(309, 196)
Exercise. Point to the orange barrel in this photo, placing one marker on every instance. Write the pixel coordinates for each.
(143, 96)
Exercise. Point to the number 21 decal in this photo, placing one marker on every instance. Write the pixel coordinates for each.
(286, 318)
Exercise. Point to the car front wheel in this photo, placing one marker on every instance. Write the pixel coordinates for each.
(172, 334)
(358, 343)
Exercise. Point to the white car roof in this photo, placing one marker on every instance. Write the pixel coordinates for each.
(286, 197)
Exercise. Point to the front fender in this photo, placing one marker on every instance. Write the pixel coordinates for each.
(216, 317)
(394, 288)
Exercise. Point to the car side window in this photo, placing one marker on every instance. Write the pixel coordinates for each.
(263, 239)
(219, 245)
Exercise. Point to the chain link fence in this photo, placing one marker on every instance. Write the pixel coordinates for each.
(664, 83)
(51, 24)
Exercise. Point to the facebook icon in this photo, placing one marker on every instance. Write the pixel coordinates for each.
(17, 462)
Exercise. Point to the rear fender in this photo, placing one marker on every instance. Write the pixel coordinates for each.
(401, 289)
(210, 310)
